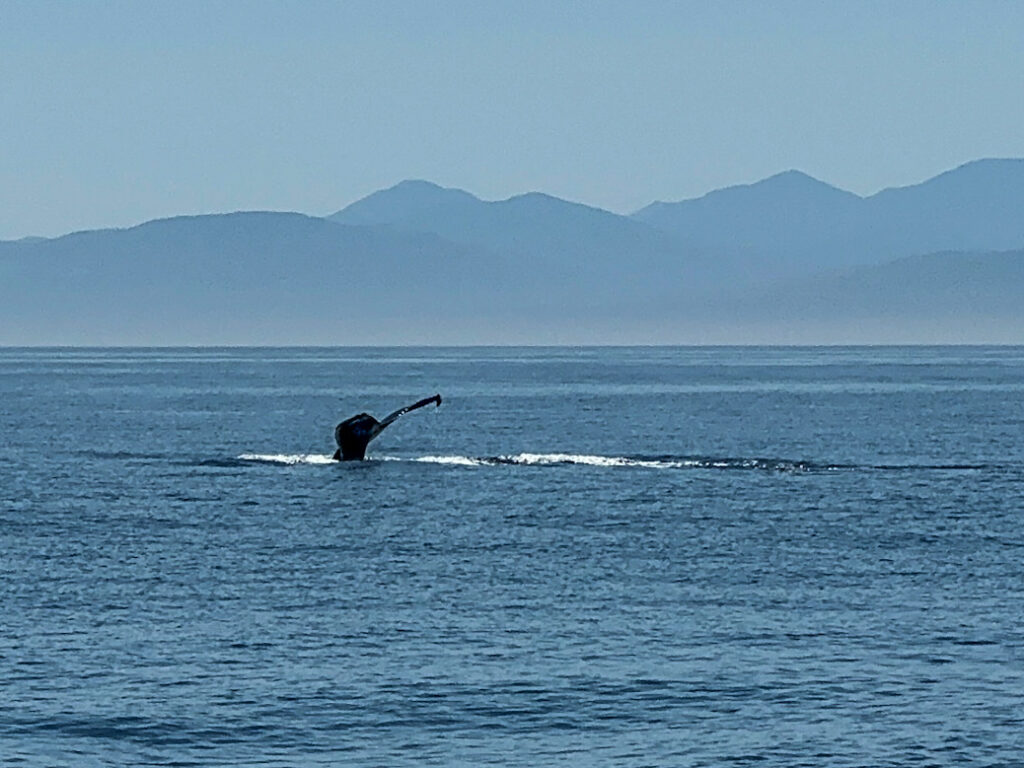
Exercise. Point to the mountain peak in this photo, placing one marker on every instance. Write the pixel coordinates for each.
(793, 177)
(791, 187)
(989, 169)
(539, 199)
(421, 189)
(791, 182)
(412, 195)
(987, 163)
(416, 185)
(987, 176)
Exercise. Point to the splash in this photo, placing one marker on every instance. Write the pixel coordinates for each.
(459, 461)
(288, 458)
(592, 460)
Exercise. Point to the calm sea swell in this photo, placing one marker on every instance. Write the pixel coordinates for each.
(583, 557)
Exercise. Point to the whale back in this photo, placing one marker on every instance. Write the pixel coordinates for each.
(354, 434)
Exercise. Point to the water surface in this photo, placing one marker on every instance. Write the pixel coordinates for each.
(585, 557)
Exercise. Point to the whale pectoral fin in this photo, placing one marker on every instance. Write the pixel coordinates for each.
(354, 434)
(418, 404)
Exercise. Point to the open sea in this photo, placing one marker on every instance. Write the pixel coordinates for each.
(585, 557)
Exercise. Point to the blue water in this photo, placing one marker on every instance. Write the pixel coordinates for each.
(584, 557)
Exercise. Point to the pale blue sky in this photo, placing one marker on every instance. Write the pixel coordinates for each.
(114, 113)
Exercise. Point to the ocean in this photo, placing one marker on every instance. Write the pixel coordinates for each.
(584, 557)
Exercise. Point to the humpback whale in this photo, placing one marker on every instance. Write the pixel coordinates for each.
(355, 433)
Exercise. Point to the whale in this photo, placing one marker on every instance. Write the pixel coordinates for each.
(355, 433)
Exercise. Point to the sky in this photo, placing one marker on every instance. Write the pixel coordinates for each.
(116, 113)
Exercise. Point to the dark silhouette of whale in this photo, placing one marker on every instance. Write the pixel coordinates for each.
(354, 434)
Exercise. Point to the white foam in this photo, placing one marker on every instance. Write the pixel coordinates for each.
(590, 460)
(523, 459)
(288, 458)
(461, 461)
(548, 459)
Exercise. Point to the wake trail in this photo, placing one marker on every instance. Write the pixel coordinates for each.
(637, 462)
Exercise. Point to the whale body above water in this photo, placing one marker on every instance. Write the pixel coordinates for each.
(355, 433)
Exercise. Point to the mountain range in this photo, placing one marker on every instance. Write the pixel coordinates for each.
(786, 259)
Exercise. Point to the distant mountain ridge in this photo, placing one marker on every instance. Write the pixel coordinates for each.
(286, 278)
(792, 222)
(775, 230)
(534, 228)
(418, 263)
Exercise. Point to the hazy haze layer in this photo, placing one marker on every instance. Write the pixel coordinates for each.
(788, 259)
